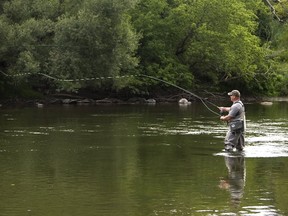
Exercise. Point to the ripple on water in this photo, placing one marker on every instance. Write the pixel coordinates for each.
(261, 150)
(268, 149)
(260, 210)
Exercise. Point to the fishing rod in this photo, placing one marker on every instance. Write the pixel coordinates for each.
(140, 75)
(185, 90)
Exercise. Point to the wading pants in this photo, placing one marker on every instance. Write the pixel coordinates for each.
(234, 139)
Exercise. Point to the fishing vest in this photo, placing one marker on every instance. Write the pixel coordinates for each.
(241, 113)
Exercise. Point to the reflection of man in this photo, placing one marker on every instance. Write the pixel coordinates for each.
(236, 178)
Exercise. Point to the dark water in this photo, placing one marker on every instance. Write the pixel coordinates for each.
(140, 160)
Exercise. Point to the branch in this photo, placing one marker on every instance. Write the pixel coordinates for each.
(273, 10)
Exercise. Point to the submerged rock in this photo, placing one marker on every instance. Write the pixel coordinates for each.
(151, 101)
(184, 101)
(137, 100)
(85, 101)
(69, 101)
(266, 103)
(39, 105)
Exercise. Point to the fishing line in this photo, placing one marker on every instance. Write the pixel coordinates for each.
(124, 76)
(67, 80)
(185, 90)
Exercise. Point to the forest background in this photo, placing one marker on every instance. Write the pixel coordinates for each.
(104, 47)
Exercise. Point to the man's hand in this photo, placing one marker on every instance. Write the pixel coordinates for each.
(224, 109)
(225, 118)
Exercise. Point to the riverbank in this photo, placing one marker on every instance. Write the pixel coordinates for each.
(66, 99)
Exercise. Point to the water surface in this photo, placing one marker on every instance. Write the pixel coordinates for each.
(140, 160)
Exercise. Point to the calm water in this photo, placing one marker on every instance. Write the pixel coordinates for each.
(132, 160)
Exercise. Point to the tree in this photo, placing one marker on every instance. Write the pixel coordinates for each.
(162, 31)
(29, 31)
(209, 42)
(97, 41)
(67, 42)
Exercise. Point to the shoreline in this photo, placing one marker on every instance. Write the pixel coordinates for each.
(76, 99)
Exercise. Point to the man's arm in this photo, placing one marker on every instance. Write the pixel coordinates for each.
(226, 118)
(224, 109)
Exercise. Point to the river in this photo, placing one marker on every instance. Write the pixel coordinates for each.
(140, 160)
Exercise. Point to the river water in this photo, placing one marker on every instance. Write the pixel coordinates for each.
(140, 160)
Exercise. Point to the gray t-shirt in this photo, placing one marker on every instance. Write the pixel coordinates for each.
(237, 111)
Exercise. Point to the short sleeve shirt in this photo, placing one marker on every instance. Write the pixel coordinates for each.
(237, 111)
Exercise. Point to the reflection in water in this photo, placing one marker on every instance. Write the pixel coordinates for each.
(235, 181)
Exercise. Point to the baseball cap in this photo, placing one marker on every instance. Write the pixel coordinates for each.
(234, 93)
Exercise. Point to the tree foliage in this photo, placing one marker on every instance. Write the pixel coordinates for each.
(208, 41)
(195, 44)
(55, 38)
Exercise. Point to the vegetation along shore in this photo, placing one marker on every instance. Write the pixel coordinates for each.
(98, 49)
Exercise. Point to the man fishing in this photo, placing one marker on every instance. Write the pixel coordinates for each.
(235, 119)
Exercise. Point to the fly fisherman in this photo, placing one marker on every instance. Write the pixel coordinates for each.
(236, 121)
